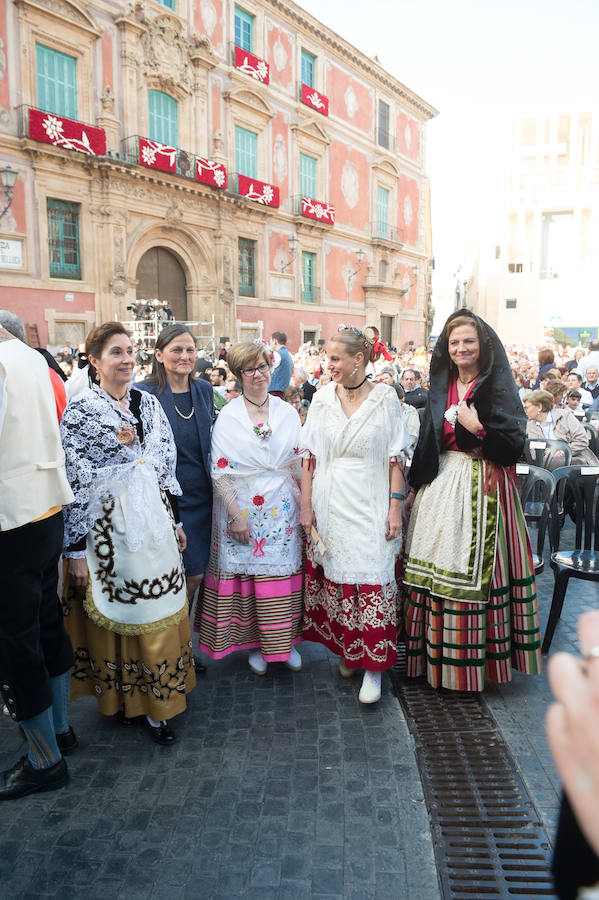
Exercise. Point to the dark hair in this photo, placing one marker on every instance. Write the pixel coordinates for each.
(97, 339)
(399, 391)
(578, 375)
(594, 345)
(280, 337)
(576, 394)
(546, 356)
(168, 334)
(291, 392)
(548, 376)
(222, 372)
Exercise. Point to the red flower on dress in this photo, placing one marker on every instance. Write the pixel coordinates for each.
(222, 463)
(258, 500)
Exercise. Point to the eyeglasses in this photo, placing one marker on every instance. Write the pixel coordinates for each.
(262, 369)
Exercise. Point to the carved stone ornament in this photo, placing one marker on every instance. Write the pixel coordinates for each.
(173, 213)
(227, 296)
(119, 283)
(107, 99)
(165, 54)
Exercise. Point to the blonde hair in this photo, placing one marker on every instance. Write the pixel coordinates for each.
(241, 356)
(541, 398)
(354, 343)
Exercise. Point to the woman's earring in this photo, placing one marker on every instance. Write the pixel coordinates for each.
(356, 367)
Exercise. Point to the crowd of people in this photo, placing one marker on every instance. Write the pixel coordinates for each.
(261, 498)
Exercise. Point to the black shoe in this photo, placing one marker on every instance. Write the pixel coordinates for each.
(23, 779)
(162, 734)
(123, 719)
(67, 741)
(198, 666)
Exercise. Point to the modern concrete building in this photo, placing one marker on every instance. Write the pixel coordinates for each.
(242, 162)
(537, 272)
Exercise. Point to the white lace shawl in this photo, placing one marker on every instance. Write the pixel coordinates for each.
(99, 467)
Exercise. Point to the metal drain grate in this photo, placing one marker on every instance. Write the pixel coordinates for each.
(488, 840)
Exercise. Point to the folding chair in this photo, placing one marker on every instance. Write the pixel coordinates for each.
(544, 452)
(536, 488)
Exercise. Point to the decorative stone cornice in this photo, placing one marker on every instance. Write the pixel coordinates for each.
(251, 100)
(66, 10)
(292, 13)
(309, 127)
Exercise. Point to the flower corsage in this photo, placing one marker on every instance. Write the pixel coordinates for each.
(263, 430)
(451, 414)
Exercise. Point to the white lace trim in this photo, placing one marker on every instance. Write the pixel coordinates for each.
(100, 467)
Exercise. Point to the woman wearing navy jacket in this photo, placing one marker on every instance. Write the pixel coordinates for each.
(189, 407)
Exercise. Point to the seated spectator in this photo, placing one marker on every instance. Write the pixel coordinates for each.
(546, 362)
(387, 375)
(557, 391)
(218, 377)
(414, 394)
(544, 380)
(301, 380)
(592, 381)
(573, 363)
(574, 383)
(521, 383)
(574, 405)
(294, 396)
(544, 421)
(325, 378)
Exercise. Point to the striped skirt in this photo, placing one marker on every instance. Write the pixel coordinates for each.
(460, 644)
(247, 612)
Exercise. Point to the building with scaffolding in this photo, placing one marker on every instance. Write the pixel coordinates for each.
(241, 162)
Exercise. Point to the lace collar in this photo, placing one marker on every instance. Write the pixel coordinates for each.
(115, 404)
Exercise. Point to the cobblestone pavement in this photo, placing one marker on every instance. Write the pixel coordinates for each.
(282, 786)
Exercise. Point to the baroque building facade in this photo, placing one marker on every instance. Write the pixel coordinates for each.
(240, 161)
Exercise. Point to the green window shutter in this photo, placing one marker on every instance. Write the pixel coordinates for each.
(308, 68)
(56, 76)
(244, 30)
(63, 239)
(246, 152)
(308, 176)
(170, 4)
(382, 213)
(163, 125)
(246, 285)
(308, 260)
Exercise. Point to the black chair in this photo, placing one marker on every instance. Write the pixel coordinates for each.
(542, 452)
(591, 430)
(536, 488)
(582, 483)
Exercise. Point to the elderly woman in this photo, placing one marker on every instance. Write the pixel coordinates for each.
(126, 605)
(547, 421)
(353, 487)
(189, 407)
(253, 591)
(294, 396)
(471, 609)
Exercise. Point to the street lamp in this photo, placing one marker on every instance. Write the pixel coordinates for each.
(9, 178)
(292, 242)
(351, 275)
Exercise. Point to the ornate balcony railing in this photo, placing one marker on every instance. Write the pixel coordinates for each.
(318, 210)
(154, 155)
(386, 234)
(60, 131)
(251, 189)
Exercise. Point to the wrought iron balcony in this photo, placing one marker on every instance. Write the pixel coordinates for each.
(388, 235)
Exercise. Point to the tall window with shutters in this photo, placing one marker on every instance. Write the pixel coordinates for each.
(308, 187)
(244, 30)
(56, 78)
(383, 129)
(308, 261)
(163, 124)
(246, 152)
(63, 239)
(308, 63)
(247, 255)
(382, 212)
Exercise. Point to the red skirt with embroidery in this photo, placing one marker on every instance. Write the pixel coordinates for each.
(358, 622)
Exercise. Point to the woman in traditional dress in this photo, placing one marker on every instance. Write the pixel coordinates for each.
(471, 609)
(353, 487)
(130, 629)
(189, 407)
(253, 590)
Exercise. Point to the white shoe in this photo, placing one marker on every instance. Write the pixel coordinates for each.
(295, 661)
(257, 663)
(370, 691)
(344, 670)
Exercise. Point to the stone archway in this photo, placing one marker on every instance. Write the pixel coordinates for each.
(161, 276)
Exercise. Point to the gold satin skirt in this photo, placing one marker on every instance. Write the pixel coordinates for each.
(146, 674)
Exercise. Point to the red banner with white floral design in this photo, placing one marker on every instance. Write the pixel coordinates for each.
(212, 173)
(252, 189)
(157, 156)
(252, 65)
(314, 209)
(61, 132)
(314, 99)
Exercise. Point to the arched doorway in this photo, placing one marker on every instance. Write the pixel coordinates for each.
(160, 276)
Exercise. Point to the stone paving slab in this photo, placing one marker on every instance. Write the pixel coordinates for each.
(280, 786)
